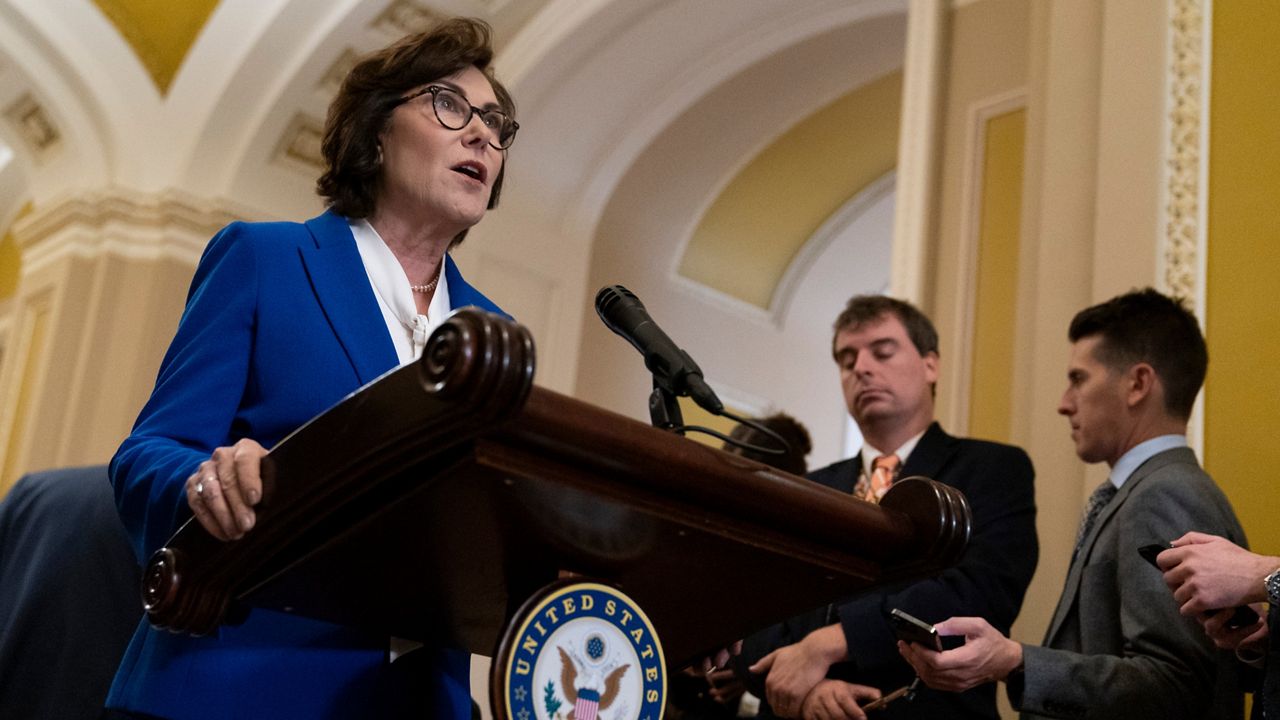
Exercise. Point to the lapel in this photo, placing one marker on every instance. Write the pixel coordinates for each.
(928, 458)
(931, 454)
(1071, 591)
(342, 288)
(845, 474)
(461, 294)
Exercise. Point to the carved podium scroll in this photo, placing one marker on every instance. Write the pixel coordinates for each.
(431, 503)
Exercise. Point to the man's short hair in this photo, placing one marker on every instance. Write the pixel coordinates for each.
(862, 309)
(1147, 326)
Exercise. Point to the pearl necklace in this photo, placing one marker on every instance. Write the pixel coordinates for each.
(429, 286)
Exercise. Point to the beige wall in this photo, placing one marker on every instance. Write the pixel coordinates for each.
(995, 306)
(985, 75)
(103, 282)
(1086, 77)
(1089, 76)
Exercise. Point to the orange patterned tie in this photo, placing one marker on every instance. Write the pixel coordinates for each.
(883, 471)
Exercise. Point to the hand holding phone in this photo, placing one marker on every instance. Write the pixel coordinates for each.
(1244, 615)
(909, 628)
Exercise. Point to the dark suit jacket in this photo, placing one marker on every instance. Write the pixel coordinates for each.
(68, 594)
(989, 581)
(280, 324)
(1117, 647)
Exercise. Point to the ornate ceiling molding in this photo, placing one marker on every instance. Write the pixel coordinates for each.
(405, 17)
(299, 148)
(32, 123)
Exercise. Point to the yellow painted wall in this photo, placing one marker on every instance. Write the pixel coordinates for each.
(767, 212)
(10, 266)
(695, 415)
(991, 398)
(986, 65)
(11, 258)
(1242, 397)
(159, 31)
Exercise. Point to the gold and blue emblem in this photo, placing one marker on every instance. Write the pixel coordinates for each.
(580, 651)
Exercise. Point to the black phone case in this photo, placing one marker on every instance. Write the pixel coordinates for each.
(913, 630)
(1243, 616)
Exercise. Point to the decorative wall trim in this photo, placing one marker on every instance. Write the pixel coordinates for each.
(299, 147)
(337, 72)
(405, 17)
(726, 303)
(832, 228)
(22, 378)
(793, 277)
(171, 225)
(492, 6)
(742, 401)
(917, 147)
(1183, 246)
(963, 305)
(33, 124)
(1186, 120)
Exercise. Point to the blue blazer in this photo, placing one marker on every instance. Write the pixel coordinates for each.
(280, 324)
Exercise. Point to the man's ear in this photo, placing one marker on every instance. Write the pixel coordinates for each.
(931, 367)
(1141, 382)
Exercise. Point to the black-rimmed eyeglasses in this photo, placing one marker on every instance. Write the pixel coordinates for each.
(454, 112)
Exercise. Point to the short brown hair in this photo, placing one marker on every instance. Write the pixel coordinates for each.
(1145, 326)
(369, 94)
(868, 308)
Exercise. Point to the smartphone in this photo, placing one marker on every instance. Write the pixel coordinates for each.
(1149, 553)
(912, 629)
(1243, 616)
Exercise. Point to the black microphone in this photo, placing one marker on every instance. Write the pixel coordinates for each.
(672, 368)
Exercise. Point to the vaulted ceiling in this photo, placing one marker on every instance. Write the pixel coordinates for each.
(225, 99)
(664, 142)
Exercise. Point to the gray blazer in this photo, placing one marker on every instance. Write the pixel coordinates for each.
(1117, 647)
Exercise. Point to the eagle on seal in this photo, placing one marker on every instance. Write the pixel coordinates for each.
(569, 678)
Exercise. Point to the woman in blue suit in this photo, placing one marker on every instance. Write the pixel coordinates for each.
(281, 322)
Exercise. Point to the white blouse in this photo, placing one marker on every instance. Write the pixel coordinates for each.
(409, 330)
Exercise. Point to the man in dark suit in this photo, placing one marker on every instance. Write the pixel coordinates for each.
(68, 594)
(823, 665)
(1116, 646)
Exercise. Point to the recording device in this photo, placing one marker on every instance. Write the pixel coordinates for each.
(907, 692)
(1244, 615)
(673, 370)
(914, 630)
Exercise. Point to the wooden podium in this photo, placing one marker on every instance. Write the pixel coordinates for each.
(431, 503)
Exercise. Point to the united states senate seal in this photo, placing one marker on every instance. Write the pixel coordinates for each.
(579, 651)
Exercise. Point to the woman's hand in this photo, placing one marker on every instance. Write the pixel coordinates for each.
(224, 489)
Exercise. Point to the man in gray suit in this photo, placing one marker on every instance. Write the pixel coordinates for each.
(1117, 646)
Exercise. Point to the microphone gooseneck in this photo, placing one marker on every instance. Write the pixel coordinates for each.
(673, 370)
